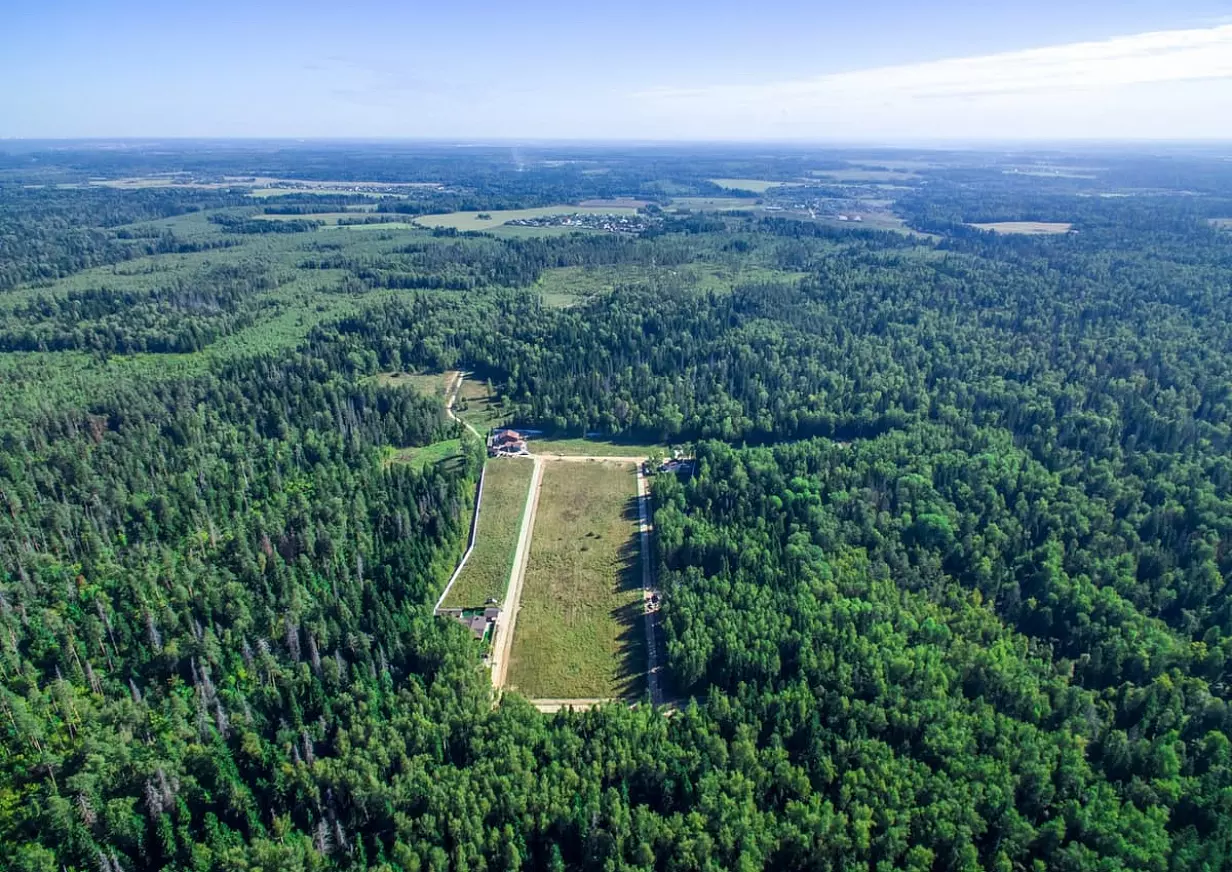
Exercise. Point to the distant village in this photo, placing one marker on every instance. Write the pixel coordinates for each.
(587, 221)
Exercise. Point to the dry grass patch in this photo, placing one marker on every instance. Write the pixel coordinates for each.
(580, 630)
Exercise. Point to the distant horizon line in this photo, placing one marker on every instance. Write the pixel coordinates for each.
(966, 143)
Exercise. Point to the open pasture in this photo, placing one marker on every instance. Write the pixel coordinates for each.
(580, 629)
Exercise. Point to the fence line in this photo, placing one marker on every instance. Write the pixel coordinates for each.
(470, 545)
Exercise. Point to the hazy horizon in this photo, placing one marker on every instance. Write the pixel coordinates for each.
(898, 75)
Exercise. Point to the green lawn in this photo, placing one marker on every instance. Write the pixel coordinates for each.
(486, 574)
(580, 628)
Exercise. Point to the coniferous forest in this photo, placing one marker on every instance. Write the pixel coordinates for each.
(948, 585)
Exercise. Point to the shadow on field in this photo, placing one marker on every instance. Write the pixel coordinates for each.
(631, 670)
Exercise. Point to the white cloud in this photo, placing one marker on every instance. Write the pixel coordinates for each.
(1077, 84)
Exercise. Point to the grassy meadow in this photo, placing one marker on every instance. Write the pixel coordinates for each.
(486, 573)
(478, 406)
(580, 631)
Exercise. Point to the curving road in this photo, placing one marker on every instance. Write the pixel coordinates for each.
(452, 396)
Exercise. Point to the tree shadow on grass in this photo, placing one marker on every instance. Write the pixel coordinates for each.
(633, 654)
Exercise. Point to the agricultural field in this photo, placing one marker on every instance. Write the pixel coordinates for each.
(714, 204)
(617, 202)
(498, 217)
(757, 186)
(380, 225)
(486, 573)
(580, 630)
(1028, 228)
(357, 213)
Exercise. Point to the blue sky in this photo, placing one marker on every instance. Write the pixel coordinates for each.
(853, 71)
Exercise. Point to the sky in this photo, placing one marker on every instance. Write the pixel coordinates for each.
(859, 71)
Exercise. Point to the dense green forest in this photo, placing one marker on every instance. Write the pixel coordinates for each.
(947, 586)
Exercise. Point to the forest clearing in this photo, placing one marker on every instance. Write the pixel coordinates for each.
(580, 630)
(1027, 228)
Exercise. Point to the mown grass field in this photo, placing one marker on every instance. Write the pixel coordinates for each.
(580, 630)
(472, 221)
(486, 573)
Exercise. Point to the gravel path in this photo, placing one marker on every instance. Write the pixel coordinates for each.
(502, 644)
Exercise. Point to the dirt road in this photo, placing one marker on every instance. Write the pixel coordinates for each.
(550, 706)
(502, 643)
(452, 396)
(650, 594)
(585, 458)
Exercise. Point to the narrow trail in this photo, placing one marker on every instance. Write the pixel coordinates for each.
(451, 397)
(502, 644)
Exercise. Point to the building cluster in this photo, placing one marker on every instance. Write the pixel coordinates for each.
(587, 221)
(507, 443)
(480, 622)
